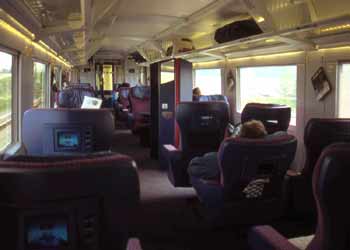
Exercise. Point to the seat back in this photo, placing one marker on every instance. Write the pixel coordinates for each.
(124, 97)
(320, 133)
(243, 161)
(140, 102)
(67, 131)
(330, 182)
(274, 117)
(202, 125)
(77, 203)
(73, 97)
(140, 98)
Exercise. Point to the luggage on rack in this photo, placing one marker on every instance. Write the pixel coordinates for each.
(236, 30)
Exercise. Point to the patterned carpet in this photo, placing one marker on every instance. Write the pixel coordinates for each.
(168, 220)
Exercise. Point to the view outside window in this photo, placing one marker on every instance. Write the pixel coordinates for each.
(107, 77)
(208, 81)
(39, 100)
(5, 99)
(167, 72)
(344, 91)
(166, 77)
(268, 84)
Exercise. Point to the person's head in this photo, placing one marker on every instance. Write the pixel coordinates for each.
(253, 129)
(196, 91)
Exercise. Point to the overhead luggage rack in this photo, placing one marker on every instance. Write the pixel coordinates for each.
(300, 38)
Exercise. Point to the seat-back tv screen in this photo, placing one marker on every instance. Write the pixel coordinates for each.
(49, 233)
(68, 139)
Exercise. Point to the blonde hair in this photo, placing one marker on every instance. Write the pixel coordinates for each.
(196, 91)
(253, 129)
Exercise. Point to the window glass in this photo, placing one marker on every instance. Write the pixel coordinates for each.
(167, 72)
(166, 77)
(268, 84)
(344, 91)
(208, 81)
(40, 84)
(107, 77)
(6, 77)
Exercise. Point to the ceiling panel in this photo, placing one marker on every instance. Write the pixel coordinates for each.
(179, 8)
(287, 14)
(50, 11)
(328, 9)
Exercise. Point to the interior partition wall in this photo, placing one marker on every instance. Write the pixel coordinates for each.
(165, 95)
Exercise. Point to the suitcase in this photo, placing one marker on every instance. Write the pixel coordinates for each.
(236, 30)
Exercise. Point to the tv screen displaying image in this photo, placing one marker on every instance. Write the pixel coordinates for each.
(48, 234)
(68, 139)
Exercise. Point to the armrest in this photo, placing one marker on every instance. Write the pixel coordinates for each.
(172, 152)
(267, 238)
(293, 173)
(133, 244)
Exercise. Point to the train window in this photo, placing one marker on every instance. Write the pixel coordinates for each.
(268, 84)
(344, 91)
(208, 81)
(6, 81)
(40, 85)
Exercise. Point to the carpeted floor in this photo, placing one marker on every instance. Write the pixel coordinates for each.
(167, 220)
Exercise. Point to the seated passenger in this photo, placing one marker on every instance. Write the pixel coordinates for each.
(196, 93)
(206, 167)
(205, 170)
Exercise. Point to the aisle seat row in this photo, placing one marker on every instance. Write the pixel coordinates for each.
(101, 189)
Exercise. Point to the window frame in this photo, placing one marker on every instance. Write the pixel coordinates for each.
(299, 71)
(337, 95)
(47, 83)
(15, 91)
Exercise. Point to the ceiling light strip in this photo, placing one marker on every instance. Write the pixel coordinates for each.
(44, 48)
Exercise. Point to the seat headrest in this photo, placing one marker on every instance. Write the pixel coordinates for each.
(202, 125)
(275, 117)
(140, 92)
(201, 116)
(124, 92)
(125, 85)
(73, 97)
(319, 131)
(212, 98)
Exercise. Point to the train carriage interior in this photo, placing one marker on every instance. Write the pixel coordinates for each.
(174, 125)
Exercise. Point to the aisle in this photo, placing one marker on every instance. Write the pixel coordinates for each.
(166, 220)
